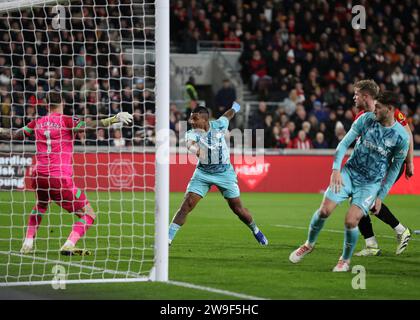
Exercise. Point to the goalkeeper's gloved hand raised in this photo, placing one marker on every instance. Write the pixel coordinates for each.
(124, 117)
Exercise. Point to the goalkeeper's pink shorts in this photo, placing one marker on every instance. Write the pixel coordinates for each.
(62, 190)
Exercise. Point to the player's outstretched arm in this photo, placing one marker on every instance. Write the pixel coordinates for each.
(342, 147)
(336, 181)
(123, 117)
(232, 111)
(354, 132)
(409, 169)
(6, 134)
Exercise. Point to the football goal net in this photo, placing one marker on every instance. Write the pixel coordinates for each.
(104, 57)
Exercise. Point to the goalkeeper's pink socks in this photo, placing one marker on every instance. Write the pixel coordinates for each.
(79, 228)
(33, 223)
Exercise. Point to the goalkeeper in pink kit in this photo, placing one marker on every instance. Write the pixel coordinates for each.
(52, 178)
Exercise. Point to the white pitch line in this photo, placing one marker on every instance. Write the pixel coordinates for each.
(175, 283)
(83, 281)
(331, 230)
(224, 292)
(71, 264)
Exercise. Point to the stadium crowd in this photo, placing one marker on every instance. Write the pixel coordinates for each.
(306, 56)
(300, 58)
(84, 61)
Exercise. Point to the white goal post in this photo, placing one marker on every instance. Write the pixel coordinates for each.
(104, 56)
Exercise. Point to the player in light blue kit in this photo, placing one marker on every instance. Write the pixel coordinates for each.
(206, 139)
(366, 177)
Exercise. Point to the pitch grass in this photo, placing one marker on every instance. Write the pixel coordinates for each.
(214, 249)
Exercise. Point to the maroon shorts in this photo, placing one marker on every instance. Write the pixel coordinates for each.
(59, 189)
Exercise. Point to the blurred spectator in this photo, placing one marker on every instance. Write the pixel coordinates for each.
(101, 139)
(137, 119)
(319, 142)
(417, 139)
(302, 141)
(299, 117)
(174, 117)
(232, 41)
(339, 134)
(148, 101)
(290, 102)
(81, 138)
(331, 95)
(258, 121)
(117, 139)
(6, 109)
(224, 98)
(285, 138)
(259, 74)
(310, 133)
(17, 123)
(274, 136)
(150, 138)
(268, 129)
(190, 96)
(291, 126)
(320, 112)
(138, 140)
(397, 76)
(150, 120)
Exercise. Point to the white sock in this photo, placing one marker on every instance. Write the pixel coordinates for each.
(29, 242)
(371, 242)
(68, 243)
(309, 245)
(253, 227)
(399, 229)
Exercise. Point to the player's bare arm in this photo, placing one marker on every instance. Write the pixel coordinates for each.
(377, 207)
(409, 163)
(13, 135)
(336, 181)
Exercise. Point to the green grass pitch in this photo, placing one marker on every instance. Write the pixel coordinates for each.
(214, 249)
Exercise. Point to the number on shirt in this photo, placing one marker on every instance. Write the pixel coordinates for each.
(48, 137)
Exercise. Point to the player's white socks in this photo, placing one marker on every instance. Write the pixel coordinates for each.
(29, 242)
(400, 229)
(173, 229)
(309, 245)
(253, 227)
(68, 243)
(371, 242)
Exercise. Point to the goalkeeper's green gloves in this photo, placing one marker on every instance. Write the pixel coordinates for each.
(124, 117)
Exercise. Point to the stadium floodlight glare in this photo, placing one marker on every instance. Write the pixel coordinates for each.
(103, 56)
